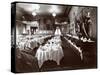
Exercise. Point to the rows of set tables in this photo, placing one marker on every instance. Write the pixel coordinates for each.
(51, 50)
(30, 41)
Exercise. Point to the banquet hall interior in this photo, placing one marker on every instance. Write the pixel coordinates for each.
(51, 37)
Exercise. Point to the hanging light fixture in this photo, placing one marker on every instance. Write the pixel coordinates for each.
(53, 14)
(34, 13)
(36, 8)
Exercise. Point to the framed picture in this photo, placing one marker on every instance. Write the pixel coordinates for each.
(52, 37)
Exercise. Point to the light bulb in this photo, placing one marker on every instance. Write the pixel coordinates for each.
(34, 13)
(54, 14)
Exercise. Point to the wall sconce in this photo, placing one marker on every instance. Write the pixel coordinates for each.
(88, 15)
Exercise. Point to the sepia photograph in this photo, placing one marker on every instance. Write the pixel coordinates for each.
(53, 37)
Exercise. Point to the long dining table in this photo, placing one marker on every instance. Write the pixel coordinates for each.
(52, 50)
(30, 41)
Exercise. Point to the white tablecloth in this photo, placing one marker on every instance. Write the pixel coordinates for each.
(27, 42)
(49, 52)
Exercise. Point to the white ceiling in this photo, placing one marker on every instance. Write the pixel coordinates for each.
(42, 8)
